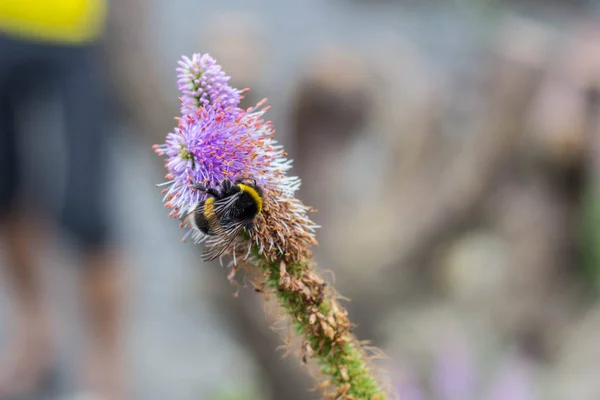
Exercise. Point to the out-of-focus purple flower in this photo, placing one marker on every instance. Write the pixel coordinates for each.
(455, 374)
(455, 378)
(514, 381)
(202, 81)
(408, 388)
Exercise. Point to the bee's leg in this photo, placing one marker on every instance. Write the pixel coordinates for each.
(198, 186)
(241, 180)
(249, 225)
(203, 188)
(213, 192)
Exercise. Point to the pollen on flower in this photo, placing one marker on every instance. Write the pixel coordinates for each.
(184, 154)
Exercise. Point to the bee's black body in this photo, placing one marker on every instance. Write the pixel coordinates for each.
(230, 208)
(202, 222)
(244, 209)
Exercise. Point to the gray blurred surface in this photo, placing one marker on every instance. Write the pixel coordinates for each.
(177, 348)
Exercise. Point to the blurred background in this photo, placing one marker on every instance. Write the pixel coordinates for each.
(451, 148)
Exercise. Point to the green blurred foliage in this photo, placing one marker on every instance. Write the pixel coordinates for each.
(591, 238)
(237, 394)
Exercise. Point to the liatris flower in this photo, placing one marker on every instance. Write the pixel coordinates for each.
(201, 82)
(216, 140)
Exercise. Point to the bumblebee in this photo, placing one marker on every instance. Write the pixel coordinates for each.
(231, 208)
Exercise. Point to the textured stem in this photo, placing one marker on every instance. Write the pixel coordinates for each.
(324, 327)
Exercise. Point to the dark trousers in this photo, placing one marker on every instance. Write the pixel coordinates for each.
(26, 70)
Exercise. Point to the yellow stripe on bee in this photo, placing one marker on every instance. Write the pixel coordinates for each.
(254, 194)
(209, 206)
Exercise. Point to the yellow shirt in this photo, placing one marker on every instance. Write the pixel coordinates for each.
(57, 21)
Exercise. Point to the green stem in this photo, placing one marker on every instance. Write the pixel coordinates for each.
(325, 328)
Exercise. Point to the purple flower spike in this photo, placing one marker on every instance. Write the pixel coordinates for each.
(216, 140)
(202, 81)
(260, 226)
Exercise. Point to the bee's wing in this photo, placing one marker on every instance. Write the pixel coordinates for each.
(222, 233)
(217, 244)
(220, 210)
(223, 207)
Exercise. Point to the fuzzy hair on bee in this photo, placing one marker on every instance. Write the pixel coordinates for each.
(219, 219)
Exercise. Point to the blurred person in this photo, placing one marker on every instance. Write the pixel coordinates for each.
(52, 45)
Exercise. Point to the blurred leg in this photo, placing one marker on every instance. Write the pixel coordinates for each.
(29, 351)
(30, 348)
(85, 217)
(103, 285)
